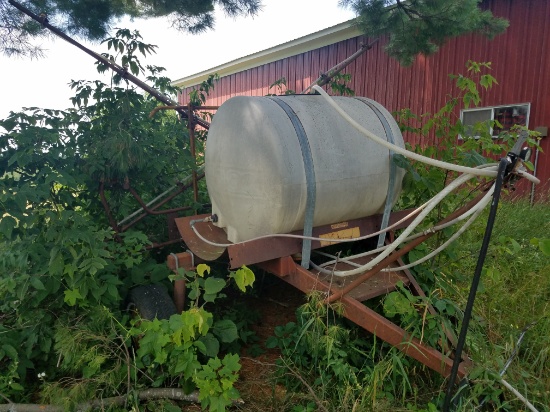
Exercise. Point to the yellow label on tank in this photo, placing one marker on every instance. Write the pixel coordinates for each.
(350, 233)
(339, 225)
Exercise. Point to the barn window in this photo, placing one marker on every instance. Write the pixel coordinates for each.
(506, 116)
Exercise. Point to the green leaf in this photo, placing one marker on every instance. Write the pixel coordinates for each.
(544, 245)
(89, 371)
(13, 159)
(272, 342)
(57, 262)
(113, 291)
(202, 269)
(441, 305)
(7, 224)
(70, 270)
(231, 361)
(37, 283)
(226, 330)
(211, 345)
(71, 296)
(450, 309)
(209, 297)
(194, 293)
(516, 247)
(92, 265)
(186, 362)
(213, 285)
(168, 407)
(397, 304)
(158, 273)
(243, 277)
(16, 386)
(473, 158)
(134, 68)
(10, 351)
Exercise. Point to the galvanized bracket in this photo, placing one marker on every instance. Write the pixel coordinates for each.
(310, 178)
(393, 171)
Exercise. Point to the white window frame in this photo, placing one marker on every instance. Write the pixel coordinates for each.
(493, 108)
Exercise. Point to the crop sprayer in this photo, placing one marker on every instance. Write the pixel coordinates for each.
(290, 177)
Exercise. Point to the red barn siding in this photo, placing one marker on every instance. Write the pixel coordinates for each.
(519, 57)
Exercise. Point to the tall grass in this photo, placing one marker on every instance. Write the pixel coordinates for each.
(514, 294)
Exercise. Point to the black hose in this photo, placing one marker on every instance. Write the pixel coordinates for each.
(504, 162)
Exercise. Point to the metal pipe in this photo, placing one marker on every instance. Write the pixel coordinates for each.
(152, 201)
(396, 255)
(504, 162)
(156, 109)
(162, 244)
(185, 181)
(357, 312)
(325, 77)
(152, 211)
(191, 128)
(378, 268)
(532, 197)
(179, 286)
(133, 222)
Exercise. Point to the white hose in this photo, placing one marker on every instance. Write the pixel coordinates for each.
(320, 239)
(408, 153)
(429, 230)
(477, 209)
(528, 176)
(519, 396)
(286, 235)
(432, 204)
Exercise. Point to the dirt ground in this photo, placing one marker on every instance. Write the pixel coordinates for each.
(276, 303)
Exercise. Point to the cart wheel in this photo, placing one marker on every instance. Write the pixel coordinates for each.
(151, 301)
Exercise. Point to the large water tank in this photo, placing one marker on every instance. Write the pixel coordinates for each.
(255, 169)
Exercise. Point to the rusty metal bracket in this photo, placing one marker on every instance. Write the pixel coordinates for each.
(357, 312)
(186, 261)
(161, 203)
(157, 212)
(180, 107)
(324, 78)
(256, 251)
(401, 252)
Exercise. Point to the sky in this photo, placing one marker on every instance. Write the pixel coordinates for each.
(44, 82)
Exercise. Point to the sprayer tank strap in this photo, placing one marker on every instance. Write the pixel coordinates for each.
(310, 177)
(393, 170)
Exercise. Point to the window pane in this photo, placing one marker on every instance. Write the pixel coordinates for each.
(510, 116)
(471, 117)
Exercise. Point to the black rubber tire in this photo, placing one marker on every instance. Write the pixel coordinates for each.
(151, 301)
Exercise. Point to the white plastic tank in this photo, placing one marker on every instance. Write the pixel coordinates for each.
(255, 170)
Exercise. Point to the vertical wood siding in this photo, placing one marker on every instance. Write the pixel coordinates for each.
(520, 59)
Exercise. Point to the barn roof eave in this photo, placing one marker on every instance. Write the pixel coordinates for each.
(325, 37)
